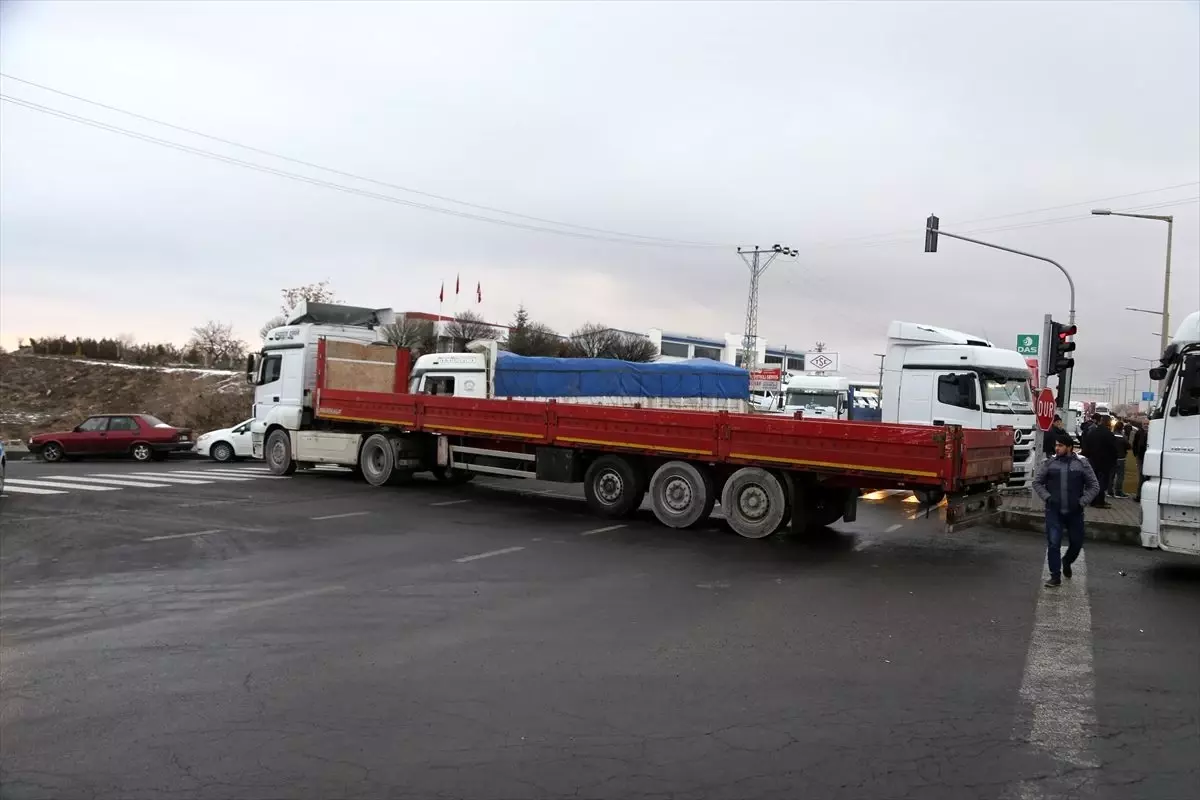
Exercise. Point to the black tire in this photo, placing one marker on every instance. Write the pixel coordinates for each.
(377, 460)
(819, 508)
(754, 502)
(451, 476)
(681, 494)
(221, 452)
(52, 452)
(162, 455)
(613, 487)
(141, 452)
(278, 453)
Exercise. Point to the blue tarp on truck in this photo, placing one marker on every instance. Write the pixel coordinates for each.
(532, 376)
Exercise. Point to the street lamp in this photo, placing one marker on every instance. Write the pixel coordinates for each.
(1166, 309)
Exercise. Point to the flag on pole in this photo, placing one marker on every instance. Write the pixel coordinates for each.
(442, 293)
(456, 286)
(478, 293)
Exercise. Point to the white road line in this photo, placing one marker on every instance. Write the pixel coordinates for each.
(603, 530)
(283, 598)
(895, 527)
(450, 503)
(8, 487)
(339, 516)
(220, 471)
(210, 477)
(488, 554)
(123, 481)
(180, 535)
(158, 476)
(1058, 688)
(58, 484)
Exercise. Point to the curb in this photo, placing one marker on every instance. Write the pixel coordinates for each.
(1095, 531)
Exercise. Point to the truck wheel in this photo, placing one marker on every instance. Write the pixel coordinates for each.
(613, 487)
(754, 502)
(821, 508)
(681, 494)
(279, 453)
(377, 459)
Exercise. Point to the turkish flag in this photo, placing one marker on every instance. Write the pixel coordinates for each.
(478, 293)
(456, 286)
(442, 293)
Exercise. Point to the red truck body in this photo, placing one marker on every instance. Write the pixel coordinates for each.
(944, 458)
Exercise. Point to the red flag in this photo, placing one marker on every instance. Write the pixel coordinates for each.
(442, 293)
(456, 286)
(478, 293)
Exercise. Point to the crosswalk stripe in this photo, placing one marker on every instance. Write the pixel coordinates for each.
(240, 473)
(58, 484)
(211, 477)
(10, 489)
(137, 484)
(160, 477)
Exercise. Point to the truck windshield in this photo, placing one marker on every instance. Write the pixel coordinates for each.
(812, 399)
(1006, 394)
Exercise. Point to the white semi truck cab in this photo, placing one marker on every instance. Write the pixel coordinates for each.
(944, 377)
(1171, 493)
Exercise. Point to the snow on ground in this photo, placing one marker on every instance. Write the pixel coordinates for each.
(122, 365)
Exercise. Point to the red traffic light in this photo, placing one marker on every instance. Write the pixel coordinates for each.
(1067, 331)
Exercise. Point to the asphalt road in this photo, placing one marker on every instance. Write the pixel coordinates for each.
(313, 637)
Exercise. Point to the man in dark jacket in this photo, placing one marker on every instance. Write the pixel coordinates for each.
(1100, 449)
(1138, 446)
(1067, 484)
(1048, 438)
(1117, 480)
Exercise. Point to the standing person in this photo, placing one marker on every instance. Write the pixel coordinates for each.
(1050, 436)
(1067, 484)
(1100, 449)
(1121, 440)
(1138, 446)
(1087, 425)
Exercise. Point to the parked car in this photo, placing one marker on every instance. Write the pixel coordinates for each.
(139, 435)
(226, 444)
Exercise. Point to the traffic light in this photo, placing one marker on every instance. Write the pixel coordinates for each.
(1061, 358)
(931, 233)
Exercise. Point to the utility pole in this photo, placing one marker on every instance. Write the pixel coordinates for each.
(880, 357)
(758, 265)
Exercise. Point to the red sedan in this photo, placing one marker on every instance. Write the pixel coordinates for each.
(139, 435)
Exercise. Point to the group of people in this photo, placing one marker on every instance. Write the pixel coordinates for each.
(1069, 482)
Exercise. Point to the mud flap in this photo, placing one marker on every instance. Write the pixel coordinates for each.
(967, 510)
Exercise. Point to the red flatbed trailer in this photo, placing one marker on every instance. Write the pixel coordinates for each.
(821, 465)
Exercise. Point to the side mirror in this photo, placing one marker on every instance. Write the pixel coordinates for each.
(1158, 373)
(77, 429)
(252, 368)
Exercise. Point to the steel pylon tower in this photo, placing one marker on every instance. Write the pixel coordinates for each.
(758, 265)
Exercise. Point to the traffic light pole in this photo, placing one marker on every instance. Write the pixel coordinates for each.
(932, 233)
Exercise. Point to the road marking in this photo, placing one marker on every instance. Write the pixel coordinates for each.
(8, 487)
(158, 477)
(339, 516)
(208, 477)
(450, 503)
(58, 483)
(283, 598)
(1059, 690)
(123, 481)
(488, 554)
(895, 527)
(244, 473)
(603, 530)
(180, 535)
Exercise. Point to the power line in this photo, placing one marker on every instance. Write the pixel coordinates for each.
(355, 176)
(323, 183)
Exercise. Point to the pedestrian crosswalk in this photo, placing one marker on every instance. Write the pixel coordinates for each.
(166, 478)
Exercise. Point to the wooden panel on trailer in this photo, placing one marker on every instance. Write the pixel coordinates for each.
(360, 376)
(356, 351)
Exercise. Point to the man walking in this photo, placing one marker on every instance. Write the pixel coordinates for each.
(1066, 483)
(1100, 449)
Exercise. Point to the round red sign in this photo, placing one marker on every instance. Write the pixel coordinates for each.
(1045, 409)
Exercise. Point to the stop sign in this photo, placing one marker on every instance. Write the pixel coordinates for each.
(1045, 409)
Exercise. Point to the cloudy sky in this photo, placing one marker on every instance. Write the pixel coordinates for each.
(833, 128)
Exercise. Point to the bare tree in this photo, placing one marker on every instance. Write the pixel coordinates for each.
(631, 347)
(216, 344)
(600, 341)
(318, 292)
(467, 327)
(125, 343)
(528, 338)
(417, 335)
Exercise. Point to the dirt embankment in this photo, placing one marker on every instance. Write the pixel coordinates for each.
(43, 393)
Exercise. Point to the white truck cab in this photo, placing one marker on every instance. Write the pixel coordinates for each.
(817, 396)
(1171, 493)
(940, 376)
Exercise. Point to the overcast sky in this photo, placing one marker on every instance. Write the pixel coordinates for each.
(833, 128)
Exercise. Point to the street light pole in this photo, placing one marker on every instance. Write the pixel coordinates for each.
(1165, 333)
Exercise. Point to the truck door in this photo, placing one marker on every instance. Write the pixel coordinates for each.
(957, 400)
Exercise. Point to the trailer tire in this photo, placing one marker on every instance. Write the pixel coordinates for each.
(377, 460)
(613, 486)
(821, 507)
(452, 476)
(278, 453)
(681, 494)
(754, 502)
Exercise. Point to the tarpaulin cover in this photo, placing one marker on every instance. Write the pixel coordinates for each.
(534, 376)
